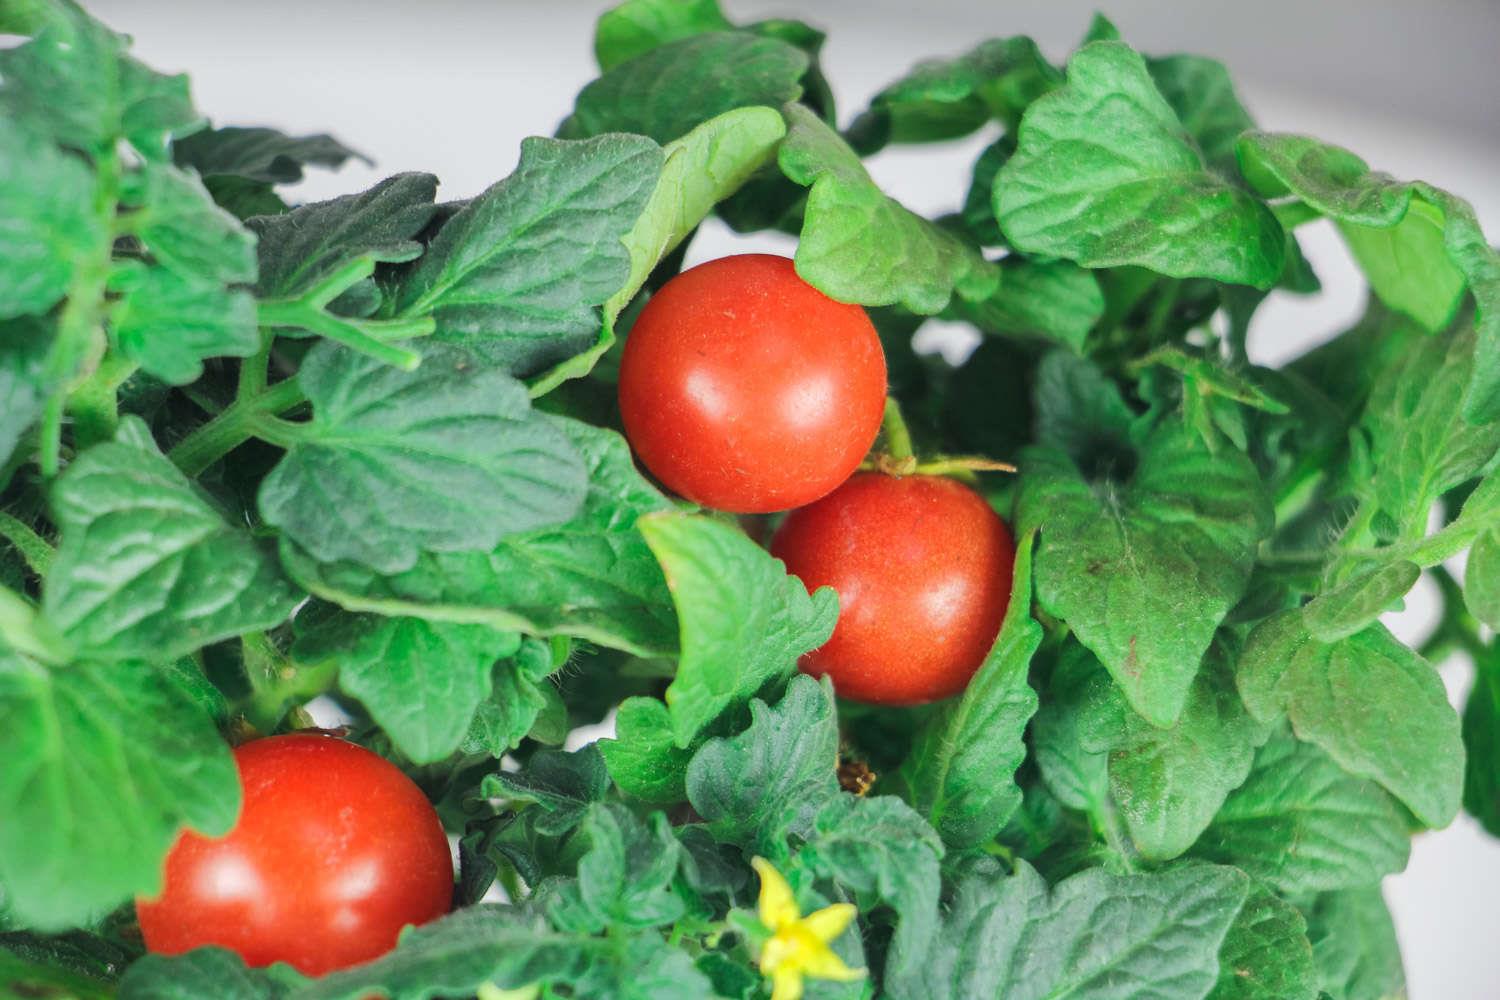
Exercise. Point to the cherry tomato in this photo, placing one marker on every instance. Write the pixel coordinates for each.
(922, 567)
(745, 389)
(335, 851)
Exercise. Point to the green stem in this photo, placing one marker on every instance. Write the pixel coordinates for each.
(28, 633)
(365, 336)
(95, 403)
(33, 547)
(276, 683)
(1161, 310)
(255, 369)
(232, 428)
(897, 437)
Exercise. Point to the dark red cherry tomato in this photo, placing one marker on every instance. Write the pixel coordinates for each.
(922, 567)
(335, 851)
(745, 389)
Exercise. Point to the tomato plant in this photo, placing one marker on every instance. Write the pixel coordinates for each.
(922, 568)
(745, 389)
(335, 851)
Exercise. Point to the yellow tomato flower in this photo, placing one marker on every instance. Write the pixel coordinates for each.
(798, 945)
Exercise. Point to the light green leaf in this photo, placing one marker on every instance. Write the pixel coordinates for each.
(748, 787)
(448, 458)
(517, 700)
(24, 343)
(1481, 576)
(47, 224)
(1054, 301)
(1104, 154)
(1095, 936)
(1357, 603)
(90, 741)
(304, 246)
(1266, 954)
(1304, 825)
(592, 576)
(636, 27)
(169, 322)
(420, 681)
(960, 773)
(1144, 570)
(199, 973)
(744, 621)
(644, 758)
(1355, 947)
(185, 231)
(1072, 731)
(858, 245)
(668, 90)
(517, 277)
(146, 569)
(1375, 706)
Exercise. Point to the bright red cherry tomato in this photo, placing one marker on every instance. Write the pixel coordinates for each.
(745, 389)
(922, 567)
(335, 851)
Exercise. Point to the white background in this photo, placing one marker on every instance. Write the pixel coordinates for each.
(451, 87)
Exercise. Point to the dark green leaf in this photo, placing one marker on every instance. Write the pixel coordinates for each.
(263, 155)
(1145, 569)
(564, 786)
(744, 621)
(301, 247)
(517, 276)
(1304, 825)
(420, 681)
(448, 458)
(668, 90)
(858, 245)
(1080, 410)
(50, 227)
(1481, 733)
(1056, 302)
(90, 741)
(169, 322)
(203, 972)
(625, 879)
(1072, 730)
(1106, 174)
(1375, 706)
(1266, 954)
(592, 577)
(1354, 946)
(960, 773)
(1202, 95)
(644, 758)
(636, 27)
(25, 978)
(748, 787)
(146, 569)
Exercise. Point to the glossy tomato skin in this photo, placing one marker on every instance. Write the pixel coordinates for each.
(335, 851)
(745, 389)
(922, 567)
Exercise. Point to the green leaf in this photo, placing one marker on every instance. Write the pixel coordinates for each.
(744, 621)
(1202, 96)
(666, 91)
(448, 458)
(1266, 954)
(562, 786)
(1073, 728)
(636, 27)
(23, 975)
(1481, 574)
(1375, 706)
(748, 787)
(74, 80)
(300, 248)
(517, 276)
(199, 973)
(879, 847)
(1056, 302)
(644, 758)
(1355, 947)
(1420, 444)
(91, 741)
(1107, 152)
(1144, 570)
(625, 878)
(1481, 734)
(1169, 783)
(592, 576)
(1095, 936)
(168, 322)
(516, 701)
(960, 773)
(420, 681)
(858, 245)
(50, 226)
(701, 169)
(24, 343)
(1352, 606)
(185, 231)
(146, 569)
(262, 155)
(948, 98)
(1304, 825)
(1080, 410)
